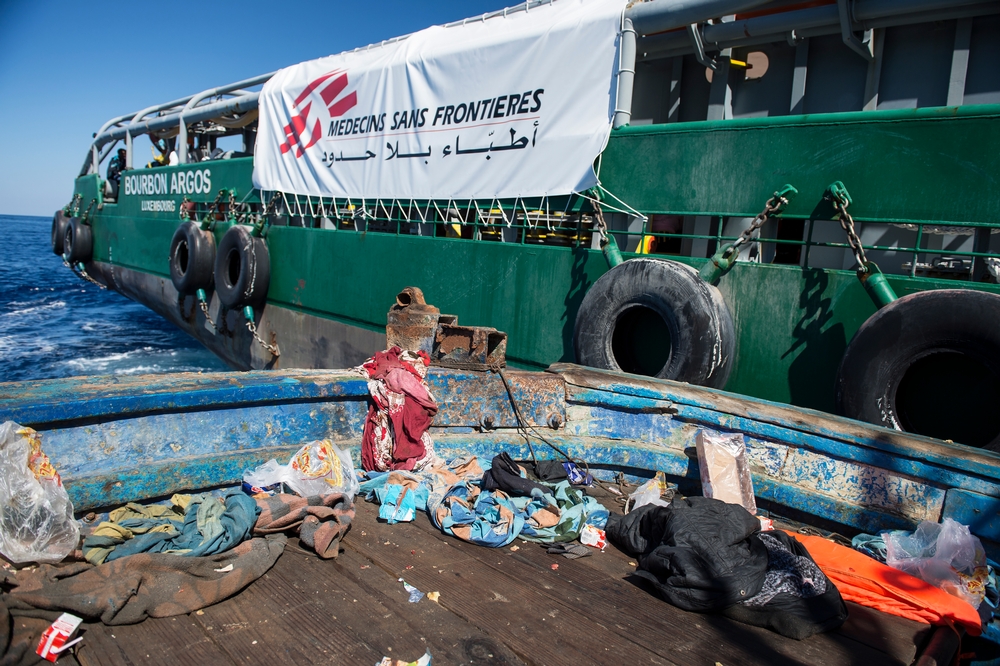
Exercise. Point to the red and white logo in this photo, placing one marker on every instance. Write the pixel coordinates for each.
(295, 131)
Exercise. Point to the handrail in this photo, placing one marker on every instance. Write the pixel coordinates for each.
(197, 99)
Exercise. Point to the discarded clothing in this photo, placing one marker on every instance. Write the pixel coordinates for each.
(193, 525)
(561, 516)
(705, 555)
(321, 522)
(130, 589)
(796, 600)
(871, 545)
(569, 550)
(483, 517)
(395, 435)
(550, 470)
(506, 475)
(431, 482)
(868, 582)
(698, 551)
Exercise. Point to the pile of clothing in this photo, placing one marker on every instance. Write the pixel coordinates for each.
(489, 504)
(705, 555)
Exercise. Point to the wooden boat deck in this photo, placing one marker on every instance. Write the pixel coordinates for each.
(496, 606)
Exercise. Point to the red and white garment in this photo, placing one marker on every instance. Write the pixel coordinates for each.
(395, 435)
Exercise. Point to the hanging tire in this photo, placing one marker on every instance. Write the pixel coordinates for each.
(192, 258)
(656, 318)
(929, 364)
(242, 269)
(59, 223)
(78, 241)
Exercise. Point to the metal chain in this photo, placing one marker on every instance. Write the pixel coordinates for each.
(86, 214)
(271, 348)
(773, 206)
(601, 226)
(82, 273)
(208, 317)
(847, 223)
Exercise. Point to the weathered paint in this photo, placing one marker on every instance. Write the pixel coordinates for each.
(979, 512)
(116, 440)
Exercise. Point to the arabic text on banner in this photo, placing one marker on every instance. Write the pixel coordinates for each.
(514, 106)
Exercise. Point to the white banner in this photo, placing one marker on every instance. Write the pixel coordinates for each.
(513, 106)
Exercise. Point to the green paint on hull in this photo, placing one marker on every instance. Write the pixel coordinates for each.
(793, 324)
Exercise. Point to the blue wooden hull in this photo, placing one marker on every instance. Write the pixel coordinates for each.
(119, 439)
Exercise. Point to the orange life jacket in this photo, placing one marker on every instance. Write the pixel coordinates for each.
(868, 582)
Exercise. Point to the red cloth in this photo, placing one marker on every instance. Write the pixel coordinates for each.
(868, 582)
(408, 422)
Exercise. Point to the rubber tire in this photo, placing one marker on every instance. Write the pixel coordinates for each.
(59, 224)
(908, 330)
(78, 242)
(192, 258)
(702, 338)
(242, 269)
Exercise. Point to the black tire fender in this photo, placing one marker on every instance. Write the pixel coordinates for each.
(661, 310)
(928, 363)
(78, 241)
(192, 258)
(59, 223)
(242, 269)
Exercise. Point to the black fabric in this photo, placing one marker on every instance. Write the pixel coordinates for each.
(803, 606)
(550, 470)
(704, 555)
(570, 550)
(697, 552)
(505, 475)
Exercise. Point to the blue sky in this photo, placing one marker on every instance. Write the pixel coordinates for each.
(67, 67)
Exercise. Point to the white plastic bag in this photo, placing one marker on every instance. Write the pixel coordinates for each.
(36, 516)
(725, 474)
(648, 493)
(946, 555)
(318, 468)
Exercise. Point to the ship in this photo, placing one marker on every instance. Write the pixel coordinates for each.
(792, 201)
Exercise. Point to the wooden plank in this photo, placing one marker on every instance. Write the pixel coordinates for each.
(541, 629)
(400, 628)
(176, 641)
(626, 613)
(284, 618)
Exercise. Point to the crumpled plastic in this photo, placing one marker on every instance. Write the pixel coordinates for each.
(36, 516)
(318, 468)
(946, 555)
(648, 493)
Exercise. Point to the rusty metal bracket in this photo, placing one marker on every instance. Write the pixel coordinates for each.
(413, 324)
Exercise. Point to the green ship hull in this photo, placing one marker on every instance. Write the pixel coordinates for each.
(923, 182)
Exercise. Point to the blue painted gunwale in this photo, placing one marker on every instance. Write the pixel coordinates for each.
(122, 439)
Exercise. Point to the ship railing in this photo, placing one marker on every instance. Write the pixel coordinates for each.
(949, 250)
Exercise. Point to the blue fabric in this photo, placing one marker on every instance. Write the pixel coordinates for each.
(208, 528)
(871, 545)
(399, 503)
(575, 510)
(486, 518)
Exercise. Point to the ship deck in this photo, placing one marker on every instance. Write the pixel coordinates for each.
(496, 606)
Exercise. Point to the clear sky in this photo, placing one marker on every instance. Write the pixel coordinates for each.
(66, 66)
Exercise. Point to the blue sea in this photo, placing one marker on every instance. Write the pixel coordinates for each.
(53, 324)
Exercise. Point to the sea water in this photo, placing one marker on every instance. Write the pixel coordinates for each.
(54, 324)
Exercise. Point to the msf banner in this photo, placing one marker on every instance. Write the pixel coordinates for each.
(514, 106)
